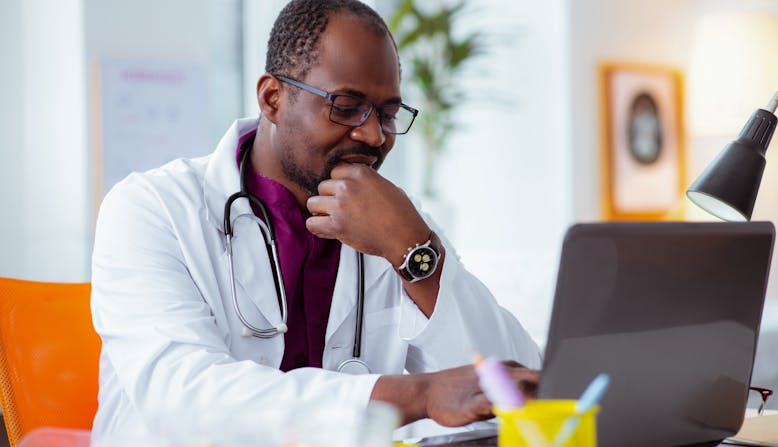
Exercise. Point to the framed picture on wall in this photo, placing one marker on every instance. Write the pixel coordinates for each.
(642, 150)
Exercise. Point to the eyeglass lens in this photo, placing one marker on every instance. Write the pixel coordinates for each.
(353, 111)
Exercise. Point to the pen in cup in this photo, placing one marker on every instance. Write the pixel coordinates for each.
(590, 397)
(496, 383)
(504, 393)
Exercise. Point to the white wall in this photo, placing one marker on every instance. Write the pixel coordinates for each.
(48, 48)
(258, 19)
(43, 137)
(507, 173)
(199, 32)
(12, 250)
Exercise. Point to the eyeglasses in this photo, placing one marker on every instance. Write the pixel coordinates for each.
(765, 393)
(353, 111)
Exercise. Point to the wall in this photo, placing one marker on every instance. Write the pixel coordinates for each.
(49, 48)
(506, 175)
(656, 32)
(198, 32)
(11, 151)
(43, 138)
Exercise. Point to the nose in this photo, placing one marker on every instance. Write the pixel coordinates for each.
(370, 131)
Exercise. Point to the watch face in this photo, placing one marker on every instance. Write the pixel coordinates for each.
(422, 262)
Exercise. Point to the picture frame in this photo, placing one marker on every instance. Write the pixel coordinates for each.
(643, 147)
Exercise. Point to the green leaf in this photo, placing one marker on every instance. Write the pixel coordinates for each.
(464, 50)
(409, 39)
(435, 55)
(402, 11)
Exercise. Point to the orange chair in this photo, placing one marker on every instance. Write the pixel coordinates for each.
(49, 355)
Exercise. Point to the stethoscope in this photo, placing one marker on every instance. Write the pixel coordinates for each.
(350, 366)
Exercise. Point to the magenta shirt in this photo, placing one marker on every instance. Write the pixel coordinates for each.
(309, 265)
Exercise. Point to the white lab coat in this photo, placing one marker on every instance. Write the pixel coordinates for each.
(173, 345)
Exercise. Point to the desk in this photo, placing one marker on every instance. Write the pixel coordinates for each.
(486, 437)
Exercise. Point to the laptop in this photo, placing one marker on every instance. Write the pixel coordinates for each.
(671, 311)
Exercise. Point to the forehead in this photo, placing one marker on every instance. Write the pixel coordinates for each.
(353, 55)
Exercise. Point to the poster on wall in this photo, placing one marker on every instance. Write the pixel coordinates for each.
(642, 155)
(146, 114)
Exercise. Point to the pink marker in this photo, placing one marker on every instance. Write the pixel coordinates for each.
(496, 383)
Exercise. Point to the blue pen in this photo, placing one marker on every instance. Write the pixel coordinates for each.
(588, 399)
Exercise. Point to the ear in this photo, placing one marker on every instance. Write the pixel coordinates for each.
(269, 96)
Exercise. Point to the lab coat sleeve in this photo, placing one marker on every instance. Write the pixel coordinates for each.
(466, 319)
(161, 338)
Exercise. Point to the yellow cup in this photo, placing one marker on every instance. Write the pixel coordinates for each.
(538, 422)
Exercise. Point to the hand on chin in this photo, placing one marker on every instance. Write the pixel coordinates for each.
(362, 209)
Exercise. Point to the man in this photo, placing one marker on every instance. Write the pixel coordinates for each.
(173, 299)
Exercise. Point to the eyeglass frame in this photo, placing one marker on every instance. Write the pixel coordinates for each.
(764, 393)
(331, 97)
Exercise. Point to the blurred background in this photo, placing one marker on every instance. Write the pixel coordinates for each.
(93, 89)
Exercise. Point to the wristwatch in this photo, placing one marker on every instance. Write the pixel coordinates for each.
(420, 262)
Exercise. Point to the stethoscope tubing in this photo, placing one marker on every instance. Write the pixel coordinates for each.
(255, 331)
(360, 305)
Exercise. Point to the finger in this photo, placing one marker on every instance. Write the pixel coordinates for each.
(527, 380)
(482, 407)
(529, 389)
(345, 170)
(321, 226)
(524, 374)
(513, 364)
(328, 187)
(321, 205)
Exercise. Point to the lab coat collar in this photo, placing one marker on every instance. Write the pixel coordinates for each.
(222, 178)
(252, 265)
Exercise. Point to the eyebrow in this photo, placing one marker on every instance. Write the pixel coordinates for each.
(359, 94)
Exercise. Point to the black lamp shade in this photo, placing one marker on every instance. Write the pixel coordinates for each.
(728, 186)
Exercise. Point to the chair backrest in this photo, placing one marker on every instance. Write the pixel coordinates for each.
(49, 355)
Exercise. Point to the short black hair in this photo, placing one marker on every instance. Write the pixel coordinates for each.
(292, 48)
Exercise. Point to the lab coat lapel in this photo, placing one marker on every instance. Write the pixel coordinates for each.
(221, 178)
(253, 273)
(344, 296)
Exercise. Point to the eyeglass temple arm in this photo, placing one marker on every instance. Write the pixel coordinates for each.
(765, 393)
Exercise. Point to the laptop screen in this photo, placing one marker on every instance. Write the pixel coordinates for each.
(671, 311)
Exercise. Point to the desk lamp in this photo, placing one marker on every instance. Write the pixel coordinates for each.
(727, 188)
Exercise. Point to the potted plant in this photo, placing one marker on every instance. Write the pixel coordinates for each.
(433, 58)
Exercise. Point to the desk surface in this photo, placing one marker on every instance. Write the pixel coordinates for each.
(487, 437)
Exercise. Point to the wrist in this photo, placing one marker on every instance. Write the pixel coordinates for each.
(400, 246)
(420, 387)
(406, 392)
(422, 260)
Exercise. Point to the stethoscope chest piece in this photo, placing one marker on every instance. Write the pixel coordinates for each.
(353, 366)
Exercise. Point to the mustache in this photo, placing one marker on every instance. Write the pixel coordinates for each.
(337, 157)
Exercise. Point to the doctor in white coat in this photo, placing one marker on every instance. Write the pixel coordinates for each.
(174, 347)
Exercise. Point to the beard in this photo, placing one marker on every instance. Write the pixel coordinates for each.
(308, 179)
